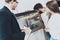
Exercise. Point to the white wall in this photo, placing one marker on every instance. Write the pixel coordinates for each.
(25, 5)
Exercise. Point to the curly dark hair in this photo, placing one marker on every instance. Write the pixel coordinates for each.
(37, 6)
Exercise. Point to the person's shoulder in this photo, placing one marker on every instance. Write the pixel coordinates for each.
(2, 11)
(56, 14)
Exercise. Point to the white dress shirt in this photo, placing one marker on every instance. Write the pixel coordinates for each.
(54, 26)
(44, 18)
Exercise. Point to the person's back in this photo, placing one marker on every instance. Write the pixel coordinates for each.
(9, 28)
(54, 25)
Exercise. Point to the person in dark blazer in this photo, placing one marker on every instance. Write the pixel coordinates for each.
(9, 28)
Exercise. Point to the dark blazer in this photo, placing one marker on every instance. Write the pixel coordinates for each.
(9, 28)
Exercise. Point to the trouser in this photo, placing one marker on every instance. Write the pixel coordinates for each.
(48, 34)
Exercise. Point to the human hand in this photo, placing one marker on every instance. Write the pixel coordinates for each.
(46, 29)
(26, 30)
